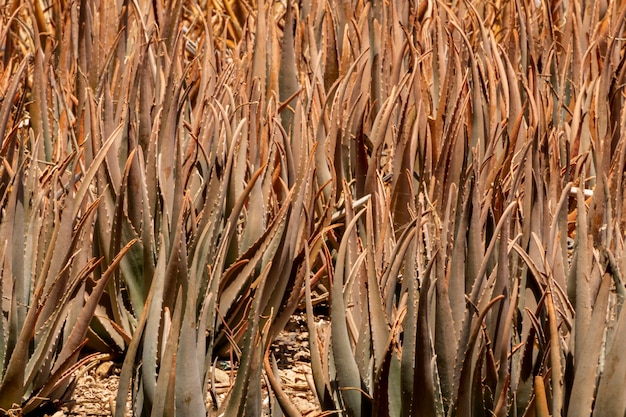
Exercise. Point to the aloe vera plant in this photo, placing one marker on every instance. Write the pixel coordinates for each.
(51, 281)
(454, 287)
(177, 183)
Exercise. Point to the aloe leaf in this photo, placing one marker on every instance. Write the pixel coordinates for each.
(9, 97)
(165, 398)
(319, 376)
(242, 399)
(148, 240)
(253, 255)
(287, 76)
(229, 229)
(20, 294)
(458, 257)
(286, 405)
(152, 326)
(378, 321)
(502, 351)
(189, 387)
(588, 355)
(148, 322)
(56, 259)
(445, 340)
(399, 257)
(582, 269)
(541, 402)
(4, 324)
(379, 129)
(208, 307)
(40, 115)
(407, 368)
(423, 402)
(94, 167)
(380, 403)
(402, 198)
(478, 284)
(286, 280)
(555, 357)
(610, 398)
(348, 374)
(167, 148)
(465, 403)
(131, 264)
(255, 223)
(259, 57)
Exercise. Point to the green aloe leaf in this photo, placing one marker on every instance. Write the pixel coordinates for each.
(588, 355)
(348, 374)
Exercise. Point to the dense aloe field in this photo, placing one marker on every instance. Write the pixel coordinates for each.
(443, 179)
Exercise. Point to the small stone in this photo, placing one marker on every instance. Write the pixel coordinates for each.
(221, 377)
(104, 369)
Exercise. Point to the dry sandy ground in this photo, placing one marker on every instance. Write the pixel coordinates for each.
(96, 389)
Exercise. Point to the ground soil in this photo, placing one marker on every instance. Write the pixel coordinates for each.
(96, 388)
